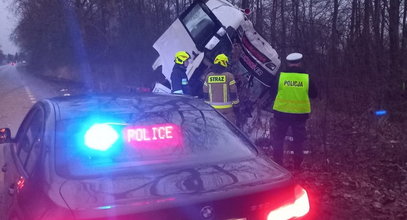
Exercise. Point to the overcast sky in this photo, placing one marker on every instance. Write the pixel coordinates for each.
(7, 24)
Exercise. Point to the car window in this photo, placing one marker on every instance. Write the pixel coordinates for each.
(201, 137)
(199, 25)
(29, 139)
(33, 156)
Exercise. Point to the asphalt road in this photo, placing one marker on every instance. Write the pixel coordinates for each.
(18, 92)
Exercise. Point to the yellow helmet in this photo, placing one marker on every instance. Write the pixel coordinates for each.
(221, 59)
(181, 57)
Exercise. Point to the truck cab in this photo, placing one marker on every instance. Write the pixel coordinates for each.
(208, 28)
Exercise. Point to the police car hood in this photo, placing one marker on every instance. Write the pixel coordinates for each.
(170, 188)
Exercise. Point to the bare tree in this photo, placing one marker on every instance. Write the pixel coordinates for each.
(273, 23)
(404, 39)
(245, 3)
(283, 29)
(334, 35)
(296, 41)
(394, 23)
(259, 16)
(366, 38)
(378, 43)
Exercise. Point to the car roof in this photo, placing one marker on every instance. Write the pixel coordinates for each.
(74, 106)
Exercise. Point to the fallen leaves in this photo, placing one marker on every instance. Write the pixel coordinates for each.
(366, 177)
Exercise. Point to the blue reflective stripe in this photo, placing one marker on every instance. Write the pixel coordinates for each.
(184, 81)
(178, 92)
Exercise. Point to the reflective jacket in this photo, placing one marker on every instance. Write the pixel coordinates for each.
(220, 90)
(179, 80)
(312, 93)
(292, 96)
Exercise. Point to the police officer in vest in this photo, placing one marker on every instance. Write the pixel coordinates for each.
(292, 92)
(220, 89)
(179, 79)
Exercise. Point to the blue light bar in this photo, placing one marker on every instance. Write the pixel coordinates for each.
(100, 137)
(380, 112)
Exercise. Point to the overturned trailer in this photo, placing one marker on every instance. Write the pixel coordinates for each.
(208, 28)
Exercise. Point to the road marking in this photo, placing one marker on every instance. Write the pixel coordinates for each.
(30, 95)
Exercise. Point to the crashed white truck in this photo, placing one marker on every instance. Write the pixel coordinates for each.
(208, 28)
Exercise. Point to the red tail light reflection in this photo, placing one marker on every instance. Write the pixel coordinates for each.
(20, 184)
(300, 207)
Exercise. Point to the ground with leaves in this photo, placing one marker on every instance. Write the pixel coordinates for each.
(362, 173)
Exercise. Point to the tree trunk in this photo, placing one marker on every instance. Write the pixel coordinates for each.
(366, 67)
(259, 16)
(403, 64)
(377, 44)
(394, 35)
(353, 22)
(358, 18)
(273, 23)
(312, 28)
(283, 27)
(297, 42)
(383, 21)
(366, 20)
(332, 60)
(245, 4)
(376, 23)
(334, 36)
(404, 40)
(177, 7)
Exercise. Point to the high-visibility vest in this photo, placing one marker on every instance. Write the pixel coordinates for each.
(292, 95)
(221, 89)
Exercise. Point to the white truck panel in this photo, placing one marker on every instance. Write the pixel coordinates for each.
(174, 39)
(226, 13)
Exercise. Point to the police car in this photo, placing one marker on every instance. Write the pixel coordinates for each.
(143, 157)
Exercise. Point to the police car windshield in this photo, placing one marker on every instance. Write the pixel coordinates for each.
(154, 139)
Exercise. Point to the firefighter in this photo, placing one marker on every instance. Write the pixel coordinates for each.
(220, 89)
(179, 79)
(292, 92)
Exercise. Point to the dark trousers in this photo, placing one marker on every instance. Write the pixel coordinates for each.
(299, 136)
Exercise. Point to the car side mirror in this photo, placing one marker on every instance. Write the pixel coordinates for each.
(5, 135)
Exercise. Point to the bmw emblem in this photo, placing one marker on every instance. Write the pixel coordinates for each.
(207, 212)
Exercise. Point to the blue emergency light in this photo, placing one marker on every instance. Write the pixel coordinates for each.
(380, 112)
(100, 137)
